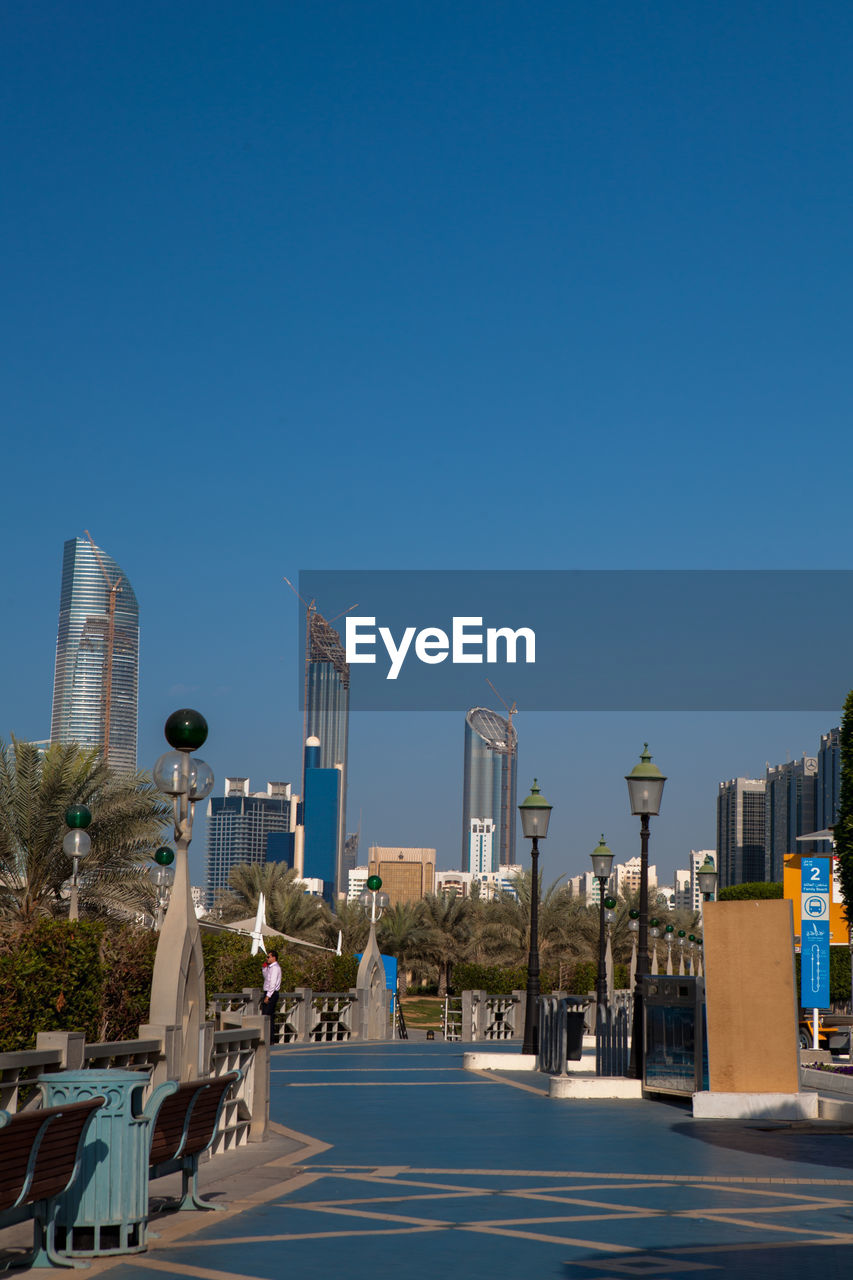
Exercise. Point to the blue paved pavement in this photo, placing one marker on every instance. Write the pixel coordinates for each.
(434, 1171)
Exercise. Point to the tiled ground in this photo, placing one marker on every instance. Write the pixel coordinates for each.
(432, 1171)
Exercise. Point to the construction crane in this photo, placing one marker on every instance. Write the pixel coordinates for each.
(510, 750)
(113, 588)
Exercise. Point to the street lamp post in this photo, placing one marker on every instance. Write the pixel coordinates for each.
(371, 897)
(76, 845)
(645, 789)
(535, 815)
(602, 861)
(370, 979)
(177, 986)
(668, 934)
(654, 934)
(163, 875)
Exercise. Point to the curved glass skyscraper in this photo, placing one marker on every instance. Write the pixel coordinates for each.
(489, 786)
(97, 656)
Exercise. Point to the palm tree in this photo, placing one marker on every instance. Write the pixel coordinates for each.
(288, 907)
(128, 816)
(352, 921)
(402, 933)
(506, 931)
(448, 919)
(246, 882)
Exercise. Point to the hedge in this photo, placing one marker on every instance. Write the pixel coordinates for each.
(96, 978)
(752, 891)
(497, 981)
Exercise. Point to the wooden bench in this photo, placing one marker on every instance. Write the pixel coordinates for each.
(40, 1153)
(185, 1119)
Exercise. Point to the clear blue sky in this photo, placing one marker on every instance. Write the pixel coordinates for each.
(487, 285)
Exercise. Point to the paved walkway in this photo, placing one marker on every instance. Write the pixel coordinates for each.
(414, 1168)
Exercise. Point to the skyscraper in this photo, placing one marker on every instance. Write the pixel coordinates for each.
(790, 807)
(246, 826)
(828, 780)
(97, 656)
(327, 715)
(740, 832)
(489, 784)
(320, 817)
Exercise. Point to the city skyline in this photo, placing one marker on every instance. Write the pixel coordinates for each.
(87, 570)
(325, 301)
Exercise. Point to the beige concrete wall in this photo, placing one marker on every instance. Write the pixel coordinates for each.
(750, 990)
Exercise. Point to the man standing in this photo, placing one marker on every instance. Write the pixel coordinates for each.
(272, 986)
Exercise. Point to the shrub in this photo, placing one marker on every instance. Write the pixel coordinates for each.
(95, 977)
(50, 980)
(752, 891)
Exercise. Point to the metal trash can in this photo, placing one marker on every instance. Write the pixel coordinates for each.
(576, 1007)
(561, 1028)
(105, 1211)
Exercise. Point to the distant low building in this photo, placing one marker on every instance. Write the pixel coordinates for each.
(356, 883)
(502, 881)
(458, 882)
(312, 885)
(407, 874)
(624, 880)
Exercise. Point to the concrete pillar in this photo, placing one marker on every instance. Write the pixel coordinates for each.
(69, 1043)
(303, 1015)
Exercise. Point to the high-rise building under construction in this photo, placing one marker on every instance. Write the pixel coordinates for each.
(489, 785)
(97, 656)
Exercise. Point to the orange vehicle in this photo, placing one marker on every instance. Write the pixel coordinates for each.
(833, 1031)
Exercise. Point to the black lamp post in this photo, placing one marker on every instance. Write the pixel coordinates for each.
(535, 815)
(602, 861)
(645, 789)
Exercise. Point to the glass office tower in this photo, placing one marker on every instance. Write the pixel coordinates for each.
(828, 780)
(246, 826)
(741, 855)
(489, 783)
(97, 655)
(327, 715)
(790, 809)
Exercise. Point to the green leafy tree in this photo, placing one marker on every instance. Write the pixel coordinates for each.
(128, 816)
(843, 831)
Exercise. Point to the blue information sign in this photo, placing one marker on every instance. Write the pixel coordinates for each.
(815, 873)
(814, 962)
(814, 949)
